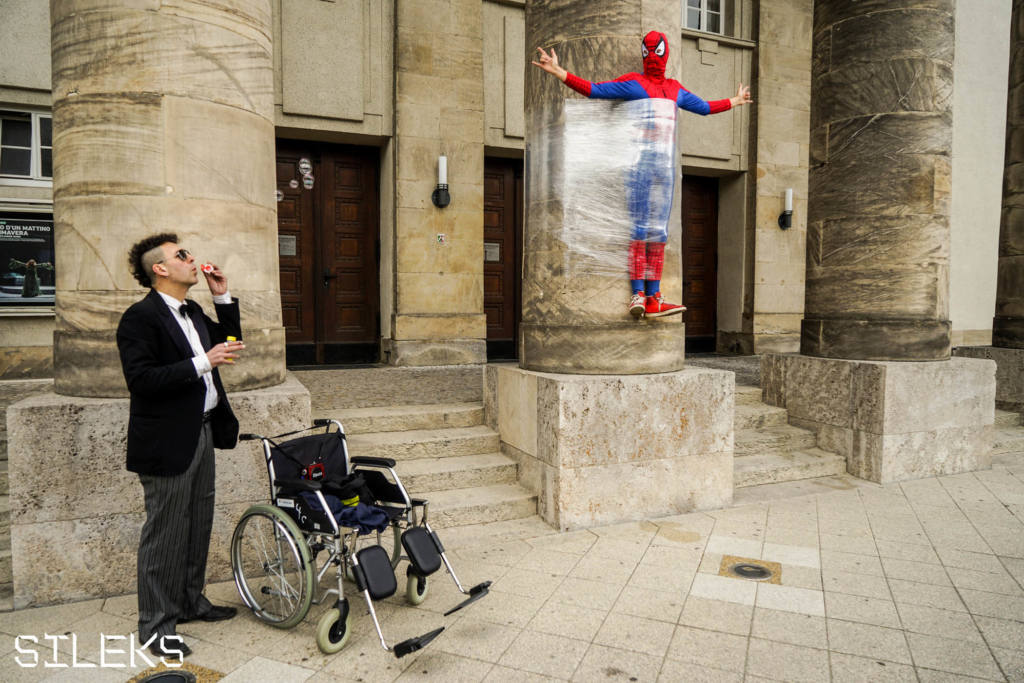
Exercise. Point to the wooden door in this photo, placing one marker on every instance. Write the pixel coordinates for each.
(327, 246)
(700, 261)
(503, 229)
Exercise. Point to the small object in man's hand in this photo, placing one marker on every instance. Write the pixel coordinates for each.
(207, 267)
(227, 342)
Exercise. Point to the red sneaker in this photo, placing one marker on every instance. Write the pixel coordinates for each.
(656, 307)
(637, 305)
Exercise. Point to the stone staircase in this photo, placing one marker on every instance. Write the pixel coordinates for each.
(769, 450)
(444, 452)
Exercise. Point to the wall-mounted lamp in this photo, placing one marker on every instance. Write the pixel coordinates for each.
(440, 197)
(786, 217)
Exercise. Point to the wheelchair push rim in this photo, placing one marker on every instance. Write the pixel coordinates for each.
(271, 566)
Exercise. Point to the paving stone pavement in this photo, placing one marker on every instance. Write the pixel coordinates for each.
(922, 580)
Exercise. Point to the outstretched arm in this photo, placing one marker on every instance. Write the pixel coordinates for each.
(690, 102)
(623, 88)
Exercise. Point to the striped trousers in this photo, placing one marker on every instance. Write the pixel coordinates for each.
(174, 543)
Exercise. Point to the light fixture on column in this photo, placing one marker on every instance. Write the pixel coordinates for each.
(786, 217)
(440, 197)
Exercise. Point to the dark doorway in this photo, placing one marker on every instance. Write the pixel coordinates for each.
(328, 249)
(700, 261)
(503, 230)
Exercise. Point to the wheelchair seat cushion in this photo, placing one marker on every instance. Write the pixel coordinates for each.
(365, 518)
(422, 551)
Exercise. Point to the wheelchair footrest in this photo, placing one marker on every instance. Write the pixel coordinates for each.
(418, 643)
(475, 593)
(374, 573)
(424, 550)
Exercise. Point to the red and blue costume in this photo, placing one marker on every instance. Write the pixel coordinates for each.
(652, 180)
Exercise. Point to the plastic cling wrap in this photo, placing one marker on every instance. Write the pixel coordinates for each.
(619, 178)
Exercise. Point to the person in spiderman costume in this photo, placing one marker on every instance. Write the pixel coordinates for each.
(651, 177)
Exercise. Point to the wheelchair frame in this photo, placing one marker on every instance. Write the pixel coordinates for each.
(299, 537)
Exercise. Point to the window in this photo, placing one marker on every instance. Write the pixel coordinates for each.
(703, 15)
(26, 145)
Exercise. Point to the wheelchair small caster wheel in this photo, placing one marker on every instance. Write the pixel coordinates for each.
(332, 631)
(416, 589)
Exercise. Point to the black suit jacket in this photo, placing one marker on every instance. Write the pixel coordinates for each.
(167, 398)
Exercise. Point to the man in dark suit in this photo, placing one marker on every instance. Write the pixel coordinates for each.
(170, 351)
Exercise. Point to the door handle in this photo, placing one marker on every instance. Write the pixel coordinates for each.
(328, 277)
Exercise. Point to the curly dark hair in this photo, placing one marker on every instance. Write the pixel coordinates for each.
(139, 249)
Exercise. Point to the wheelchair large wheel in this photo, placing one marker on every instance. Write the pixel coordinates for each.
(272, 567)
(390, 539)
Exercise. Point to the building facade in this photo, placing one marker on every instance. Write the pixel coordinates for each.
(369, 94)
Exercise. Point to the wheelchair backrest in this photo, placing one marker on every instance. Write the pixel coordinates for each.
(290, 457)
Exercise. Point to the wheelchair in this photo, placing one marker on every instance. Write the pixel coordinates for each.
(323, 501)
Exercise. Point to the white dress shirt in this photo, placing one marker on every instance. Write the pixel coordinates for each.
(199, 359)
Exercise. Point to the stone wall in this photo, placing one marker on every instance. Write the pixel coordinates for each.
(437, 311)
(783, 101)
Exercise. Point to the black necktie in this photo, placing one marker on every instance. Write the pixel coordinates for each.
(183, 309)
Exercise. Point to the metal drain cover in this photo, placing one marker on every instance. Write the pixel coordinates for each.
(751, 571)
(170, 677)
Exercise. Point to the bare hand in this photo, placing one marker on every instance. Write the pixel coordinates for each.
(225, 352)
(217, 281)
(549, 63)
(742, 96)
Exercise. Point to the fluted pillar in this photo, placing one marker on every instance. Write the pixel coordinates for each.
(1008, 324)
(880, 181)
(163, 122)
(575, 319)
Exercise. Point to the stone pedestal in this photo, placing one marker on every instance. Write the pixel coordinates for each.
(1009, 373)
(892, 421)
(601, 449)
(76, 512)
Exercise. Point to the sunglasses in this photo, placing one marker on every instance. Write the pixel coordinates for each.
(182, 254)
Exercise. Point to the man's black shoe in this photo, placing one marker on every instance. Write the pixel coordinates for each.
(216, 613)
(170, 647)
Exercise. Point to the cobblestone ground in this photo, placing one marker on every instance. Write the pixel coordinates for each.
(916, 581)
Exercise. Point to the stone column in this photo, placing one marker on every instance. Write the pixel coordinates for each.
(163, 121)
(878, 223)
(603, 423)
(1008, 325)
(574, 320)
(878, 252)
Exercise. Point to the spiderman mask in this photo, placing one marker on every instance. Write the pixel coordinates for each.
(655, 52)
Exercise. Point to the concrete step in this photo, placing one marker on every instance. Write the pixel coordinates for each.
(406, 417)
(1006, 418)
(1007, 440)
(5, 481)
(338, 389)
(758, 416)
(773, 440)
(3, 446)
(479, 505)
(5, 514)
(6, 571)
(425, 443)
(747, 395)
(775, 467)
(459, 472)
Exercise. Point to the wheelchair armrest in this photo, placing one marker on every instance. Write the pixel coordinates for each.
(373, 462)
(299, 484)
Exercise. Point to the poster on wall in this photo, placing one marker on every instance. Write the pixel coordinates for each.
(26, 260)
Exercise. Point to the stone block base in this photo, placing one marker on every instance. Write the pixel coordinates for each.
(76, 512)
(601, 449)
(891, 420)
(435, 352)
(1009, 373)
